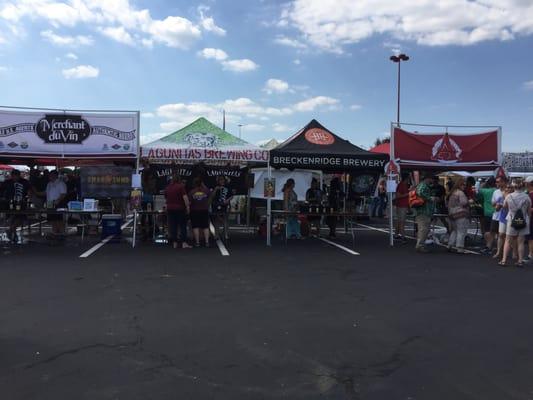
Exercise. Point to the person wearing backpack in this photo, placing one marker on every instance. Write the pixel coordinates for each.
(424, 211)
(519, 205)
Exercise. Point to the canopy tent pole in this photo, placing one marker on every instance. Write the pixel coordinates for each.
(138, 142)
(269, 208)
(391, 159)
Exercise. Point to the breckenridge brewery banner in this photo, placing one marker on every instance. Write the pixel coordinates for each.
(68, 134)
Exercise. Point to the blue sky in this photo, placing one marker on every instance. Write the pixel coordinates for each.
(275, 65)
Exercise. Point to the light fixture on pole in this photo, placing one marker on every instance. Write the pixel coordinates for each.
(240, 129)
(398, 59)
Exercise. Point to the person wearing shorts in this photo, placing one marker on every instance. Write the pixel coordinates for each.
(518, 200)
(199, 204)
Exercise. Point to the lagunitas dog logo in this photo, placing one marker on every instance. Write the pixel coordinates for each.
(320, 137)
(199, 139)
(446, 150)
(63, 129)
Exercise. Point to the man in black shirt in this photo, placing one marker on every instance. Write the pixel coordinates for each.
(16, 193)
(220, 200)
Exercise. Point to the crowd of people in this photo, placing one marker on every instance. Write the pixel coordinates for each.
(329, 198)
(503, 207)
(44, 190)
(197, 205)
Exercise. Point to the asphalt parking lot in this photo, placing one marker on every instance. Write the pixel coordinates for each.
(306, 320)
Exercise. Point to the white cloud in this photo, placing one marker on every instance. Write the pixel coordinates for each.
(221, 57)
(276, 86)
(215, 54)
(117, 19)
(147, 115)
(289, 42)
(277, 127)
(528, 85)
(330, 25)
(81, 72)
(71, 56)
(243, 65)
(253, 127)
(355, 107)
(175, 32)
(180, 114)
(208, 23)
(71, 41)
(297, 62)
(118, 34)
(3, 69)
(150, 137)
(316, 102)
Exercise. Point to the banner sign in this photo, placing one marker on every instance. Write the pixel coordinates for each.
(445, 150)
(236, 178)
(269, 188)
(57, 134)
(106, 182)
(518, 162)
(330, 162)
(363, 185)
(205, 154)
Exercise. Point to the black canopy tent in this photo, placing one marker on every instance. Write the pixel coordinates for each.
(316, 147)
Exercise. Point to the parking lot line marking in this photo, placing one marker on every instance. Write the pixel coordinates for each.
(413, 238)
(220, 245)
(346, 249)
(103, 242)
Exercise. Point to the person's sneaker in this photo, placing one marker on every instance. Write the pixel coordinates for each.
(422, 249)
(485, 250)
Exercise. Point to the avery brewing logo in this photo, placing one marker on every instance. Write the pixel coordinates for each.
(66, 129)
(446, 150)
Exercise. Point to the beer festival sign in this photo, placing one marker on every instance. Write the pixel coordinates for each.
(68, 134)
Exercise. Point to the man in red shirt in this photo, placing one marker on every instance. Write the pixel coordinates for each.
(177, 210)
(402, 206)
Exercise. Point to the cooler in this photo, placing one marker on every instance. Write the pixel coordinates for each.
(111, 224)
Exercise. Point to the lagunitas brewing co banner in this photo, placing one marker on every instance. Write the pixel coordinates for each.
(68, 134)
(447, 150)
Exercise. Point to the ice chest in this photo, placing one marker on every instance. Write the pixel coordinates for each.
(111, 224)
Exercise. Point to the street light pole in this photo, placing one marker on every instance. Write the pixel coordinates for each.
(398, 59)
(240, 128)
(390, 176)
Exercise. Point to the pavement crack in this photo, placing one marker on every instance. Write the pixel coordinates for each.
(84, 348)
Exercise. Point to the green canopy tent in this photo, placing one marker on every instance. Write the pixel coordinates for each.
(202, 141)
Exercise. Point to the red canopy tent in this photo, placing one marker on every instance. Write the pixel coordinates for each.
(5, 167)
(444, 151)
(383, 148)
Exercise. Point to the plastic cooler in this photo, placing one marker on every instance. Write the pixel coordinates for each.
(111, 224)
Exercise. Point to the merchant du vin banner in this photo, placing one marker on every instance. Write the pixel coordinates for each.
(68, 134)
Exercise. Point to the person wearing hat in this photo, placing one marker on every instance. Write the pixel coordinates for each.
(529, 183)
(424, 213)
